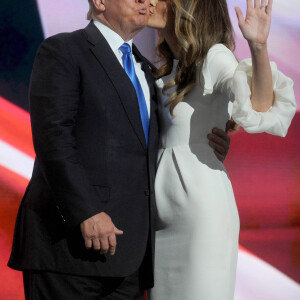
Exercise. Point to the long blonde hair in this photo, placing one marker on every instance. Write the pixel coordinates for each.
(199, 24)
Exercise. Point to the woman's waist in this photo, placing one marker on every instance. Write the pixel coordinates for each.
(187, 145)
(192, 154)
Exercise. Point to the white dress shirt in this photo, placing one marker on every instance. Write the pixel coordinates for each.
(115, 42)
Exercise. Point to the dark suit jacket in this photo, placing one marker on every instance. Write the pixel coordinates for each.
(91, 156)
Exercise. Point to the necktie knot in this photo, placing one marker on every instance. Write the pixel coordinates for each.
(125, 48)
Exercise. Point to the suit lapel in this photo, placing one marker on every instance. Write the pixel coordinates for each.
(124, 87)
(149, 70)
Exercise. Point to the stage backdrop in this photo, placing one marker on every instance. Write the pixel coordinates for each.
(265, 170)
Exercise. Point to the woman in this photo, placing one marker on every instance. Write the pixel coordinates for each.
(202, 86)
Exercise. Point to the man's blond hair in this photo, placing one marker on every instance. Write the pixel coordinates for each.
(89, 14)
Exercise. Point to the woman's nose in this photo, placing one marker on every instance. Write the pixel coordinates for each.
(153, 2)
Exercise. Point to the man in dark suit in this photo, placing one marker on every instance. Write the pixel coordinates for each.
(95, 131)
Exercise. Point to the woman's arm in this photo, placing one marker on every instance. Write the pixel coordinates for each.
(255, 29)
(261, 98)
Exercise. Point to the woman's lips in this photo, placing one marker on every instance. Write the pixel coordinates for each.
(151, 11)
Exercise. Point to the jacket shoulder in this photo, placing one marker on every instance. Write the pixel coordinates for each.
(64, 37)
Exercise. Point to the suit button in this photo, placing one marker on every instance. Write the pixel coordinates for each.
(147, 193)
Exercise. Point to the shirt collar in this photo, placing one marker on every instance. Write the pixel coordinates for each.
(114, 40)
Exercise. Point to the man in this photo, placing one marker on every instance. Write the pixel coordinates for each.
(85, 228)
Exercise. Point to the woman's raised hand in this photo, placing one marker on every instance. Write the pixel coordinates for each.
(256, 26)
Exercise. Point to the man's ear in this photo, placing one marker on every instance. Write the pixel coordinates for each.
(99, 5)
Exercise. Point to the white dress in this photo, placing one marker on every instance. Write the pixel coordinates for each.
(198, 222)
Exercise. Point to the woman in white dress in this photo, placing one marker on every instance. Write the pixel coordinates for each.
(202, 86)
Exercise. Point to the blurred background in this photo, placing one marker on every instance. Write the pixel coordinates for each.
(264, 169)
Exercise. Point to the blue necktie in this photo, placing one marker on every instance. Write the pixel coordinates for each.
(129, 69)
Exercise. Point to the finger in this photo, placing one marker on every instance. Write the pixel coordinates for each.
(219, 156)
(263, 3)
(256, 4)
(104, 245)
(221, 133)
(88, 243)
(249, 3)
(239, 15)
(112, 244)
(217, 148)
(96, 244)
(269, 7)
(118, 231)
(218, 140)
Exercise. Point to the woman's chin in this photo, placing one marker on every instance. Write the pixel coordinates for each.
(155, 25)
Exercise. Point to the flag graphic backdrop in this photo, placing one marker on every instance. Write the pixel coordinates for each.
(264, 169)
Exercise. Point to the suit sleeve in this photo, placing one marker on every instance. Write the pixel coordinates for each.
(54, 101)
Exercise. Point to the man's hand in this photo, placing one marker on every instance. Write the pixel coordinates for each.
(219, 141)
(99, 233)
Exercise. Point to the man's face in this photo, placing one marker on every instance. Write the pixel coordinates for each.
(126, 16)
